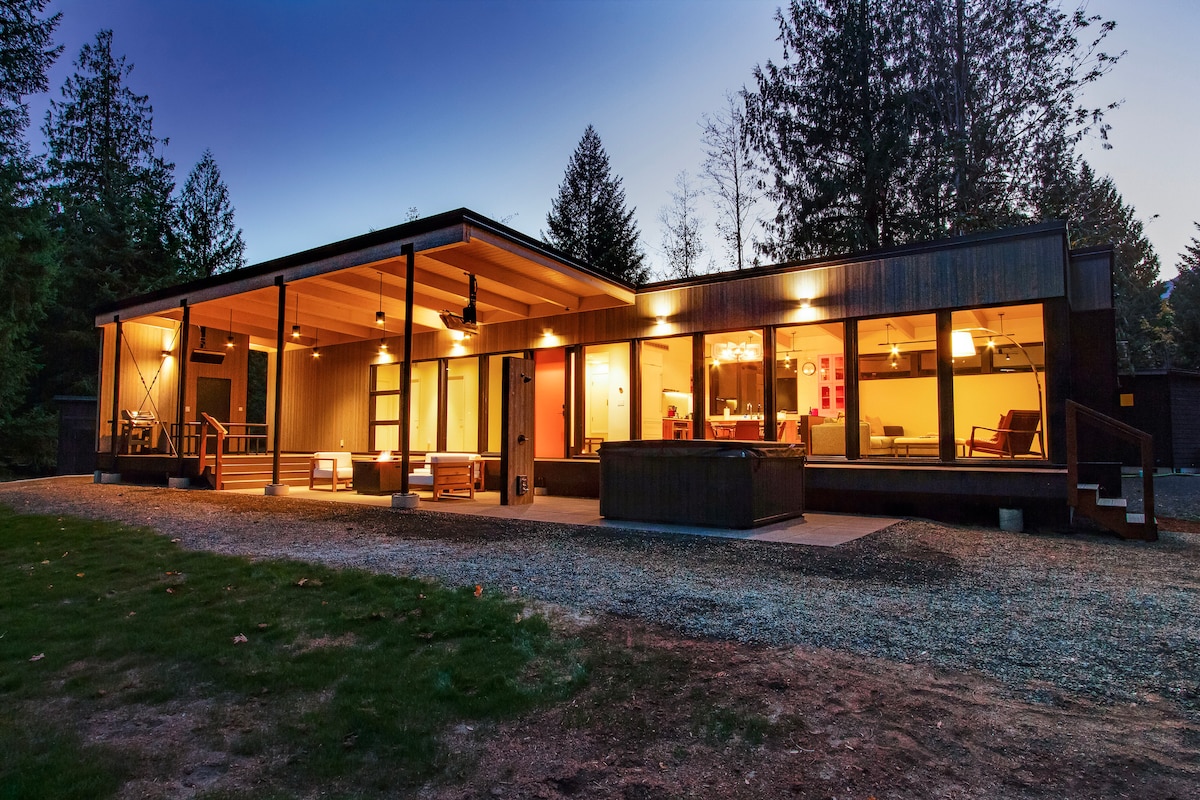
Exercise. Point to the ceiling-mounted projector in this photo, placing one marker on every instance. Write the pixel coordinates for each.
(454, 322)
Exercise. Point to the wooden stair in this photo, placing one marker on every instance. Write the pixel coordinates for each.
(1110, 512)
(1084, 498)
(254, 471)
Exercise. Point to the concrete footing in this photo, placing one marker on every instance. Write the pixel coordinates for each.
(276, 489)
(410, 500)
(110, 477)
(179, 483)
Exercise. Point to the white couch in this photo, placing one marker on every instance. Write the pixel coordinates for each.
(334, 466)
(448, 472)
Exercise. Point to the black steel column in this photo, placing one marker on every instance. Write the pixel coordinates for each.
(180, 414)
(277, 433)
(116, 395)
(699, 390)
(854, 443)
(945, 385)
(770, 423)
(406, 371)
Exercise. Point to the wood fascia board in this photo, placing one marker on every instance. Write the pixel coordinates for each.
(599, 285)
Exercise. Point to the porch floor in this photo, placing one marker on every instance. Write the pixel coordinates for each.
(819, 529)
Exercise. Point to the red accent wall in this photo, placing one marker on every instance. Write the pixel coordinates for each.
(548, 400)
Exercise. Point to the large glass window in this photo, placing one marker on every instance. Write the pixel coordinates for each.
(898, 398)
(424, 406)
(606, 384)
(810, 385)
(462, 404)
(734, 385)
(999, 390)
(665, 369)
(495, 407)
(385, 407)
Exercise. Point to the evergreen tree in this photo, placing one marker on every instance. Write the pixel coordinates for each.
(27, 257)
(209, 242)
(1097, 215)
(830, 121)
(1185, 304)
(588, 220)
(734, 176)
(682, 244)
(113, 190)
(896, 120)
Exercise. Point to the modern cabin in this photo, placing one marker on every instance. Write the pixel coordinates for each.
(905, 372)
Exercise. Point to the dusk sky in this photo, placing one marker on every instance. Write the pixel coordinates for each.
(330, 118)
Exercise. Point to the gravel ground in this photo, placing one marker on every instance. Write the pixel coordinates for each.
(1046, 614)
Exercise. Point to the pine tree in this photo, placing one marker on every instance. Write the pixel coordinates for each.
(830, 122)
(682, 244)
(588, 220)
(1185, 304)
(889, 121)
(1097, 215)
(209, 242)
(114, 190)
(733, 176)
(27, 255)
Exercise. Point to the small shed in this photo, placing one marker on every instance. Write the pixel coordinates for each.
(1166, 404)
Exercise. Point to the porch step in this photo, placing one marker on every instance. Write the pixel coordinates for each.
(1110, 512)
(254, 471)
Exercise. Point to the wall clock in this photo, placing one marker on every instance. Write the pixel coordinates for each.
(809, 368)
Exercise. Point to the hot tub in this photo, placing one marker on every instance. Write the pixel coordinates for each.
(720, 484)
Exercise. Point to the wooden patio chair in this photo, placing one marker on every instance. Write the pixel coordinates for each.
(1013, 435)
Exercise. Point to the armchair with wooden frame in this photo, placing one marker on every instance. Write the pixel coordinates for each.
(1013, 436)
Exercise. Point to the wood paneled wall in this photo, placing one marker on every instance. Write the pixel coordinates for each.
(326, 400)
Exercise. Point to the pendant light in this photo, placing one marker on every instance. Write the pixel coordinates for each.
(296, 327)
(380, 317)
(316, 350)
(229, 338)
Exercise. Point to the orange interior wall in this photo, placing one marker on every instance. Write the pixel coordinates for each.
(548, 398)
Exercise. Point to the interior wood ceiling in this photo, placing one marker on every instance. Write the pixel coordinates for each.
(340, 306)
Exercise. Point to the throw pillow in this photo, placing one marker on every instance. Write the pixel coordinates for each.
(876, 426)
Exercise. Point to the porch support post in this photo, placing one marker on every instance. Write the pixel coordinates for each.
(115, 422)
(180, 414)
(945, 385)
(277, 433)
(406, 370)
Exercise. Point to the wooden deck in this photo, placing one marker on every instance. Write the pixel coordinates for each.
(960, 493)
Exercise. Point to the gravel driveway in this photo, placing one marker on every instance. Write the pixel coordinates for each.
(1046, 614)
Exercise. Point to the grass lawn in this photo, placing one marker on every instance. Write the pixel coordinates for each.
(344, 680)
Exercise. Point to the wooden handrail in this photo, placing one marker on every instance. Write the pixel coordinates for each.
(221, 432)
(1114, 427)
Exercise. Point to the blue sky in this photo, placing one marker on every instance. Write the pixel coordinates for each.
(330, 118)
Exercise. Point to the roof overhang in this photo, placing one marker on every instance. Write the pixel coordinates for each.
(334, 292)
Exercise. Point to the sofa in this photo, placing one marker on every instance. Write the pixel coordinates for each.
(448, 472)
(874, 438)
(335, 466)
(829, 439)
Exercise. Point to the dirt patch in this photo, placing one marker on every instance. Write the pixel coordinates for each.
(671, 717)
